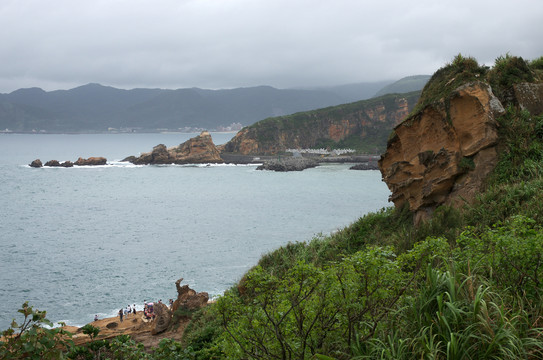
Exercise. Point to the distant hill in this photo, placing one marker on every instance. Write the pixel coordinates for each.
(363, 126)
(97, 108)
(357, 91)
(404, 85)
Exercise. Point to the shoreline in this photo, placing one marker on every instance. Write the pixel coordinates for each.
(133, 325)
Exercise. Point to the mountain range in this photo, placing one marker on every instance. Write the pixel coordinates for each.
(98, 108)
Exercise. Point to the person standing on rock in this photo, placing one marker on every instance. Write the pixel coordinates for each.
(121, 314)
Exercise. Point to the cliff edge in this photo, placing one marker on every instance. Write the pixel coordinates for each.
(445, 150)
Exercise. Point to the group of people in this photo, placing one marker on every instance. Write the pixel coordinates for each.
(127, 311)
(148, 310)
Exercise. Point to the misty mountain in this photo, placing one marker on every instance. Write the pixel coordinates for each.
(404, 85)
(97, 108)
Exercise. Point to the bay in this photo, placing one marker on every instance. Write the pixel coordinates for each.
(90, 240)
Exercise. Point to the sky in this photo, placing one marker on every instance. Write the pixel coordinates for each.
(221, 44)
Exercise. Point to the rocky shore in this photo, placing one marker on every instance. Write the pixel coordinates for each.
(165, 324)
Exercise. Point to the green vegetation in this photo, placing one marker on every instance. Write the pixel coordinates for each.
(467, 284)
(310, 128)
(460, 71)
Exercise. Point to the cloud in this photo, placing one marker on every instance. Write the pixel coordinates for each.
(232, 43)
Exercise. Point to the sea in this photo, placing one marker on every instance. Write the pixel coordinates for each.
(90, 240)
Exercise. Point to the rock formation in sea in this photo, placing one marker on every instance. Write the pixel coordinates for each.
(36, 163)
(443, 153)
(371, 165)
(91, 161)
(288, 164)
(197, 150)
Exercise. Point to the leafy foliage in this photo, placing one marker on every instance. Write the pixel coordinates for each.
(31, 339)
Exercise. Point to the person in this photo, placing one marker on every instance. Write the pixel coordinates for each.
(121, 314)
(171, 303)
(95, 317)
(134, 309)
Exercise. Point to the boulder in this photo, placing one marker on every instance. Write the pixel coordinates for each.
(67, 164)
(162, 319)
(36, 164)
(529, 97)
(91, 161)
(197, 150)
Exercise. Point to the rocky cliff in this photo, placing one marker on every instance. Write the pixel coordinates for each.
(364, 125)
(444, 152)
(197, 150)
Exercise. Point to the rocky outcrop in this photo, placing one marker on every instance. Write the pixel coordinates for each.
(92, 161)
(365, 166)
(288, 164)
(189, 299)
(197, 150)
(363, 121)
(163, 317)
(529, 97)
(53, 163)
(444, 153)
(36, 163)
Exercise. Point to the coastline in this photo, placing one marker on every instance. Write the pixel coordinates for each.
(133, 325)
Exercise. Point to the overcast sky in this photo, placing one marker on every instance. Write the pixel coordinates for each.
(61, 44)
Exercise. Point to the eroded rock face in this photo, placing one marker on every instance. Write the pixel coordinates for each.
(162, 319)
(443, 154)
(197, 150)
(365, 119)
(189, 299)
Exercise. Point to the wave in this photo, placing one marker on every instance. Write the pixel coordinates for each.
(124, 164)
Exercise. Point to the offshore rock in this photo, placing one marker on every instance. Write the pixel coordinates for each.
(36, 164)
(288, 164)
(443, 154)
(53, 163)
(56, 163)
(198, 150)
(365, 166)
(92, 161)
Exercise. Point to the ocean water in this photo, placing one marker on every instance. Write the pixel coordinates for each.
(90, 240)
